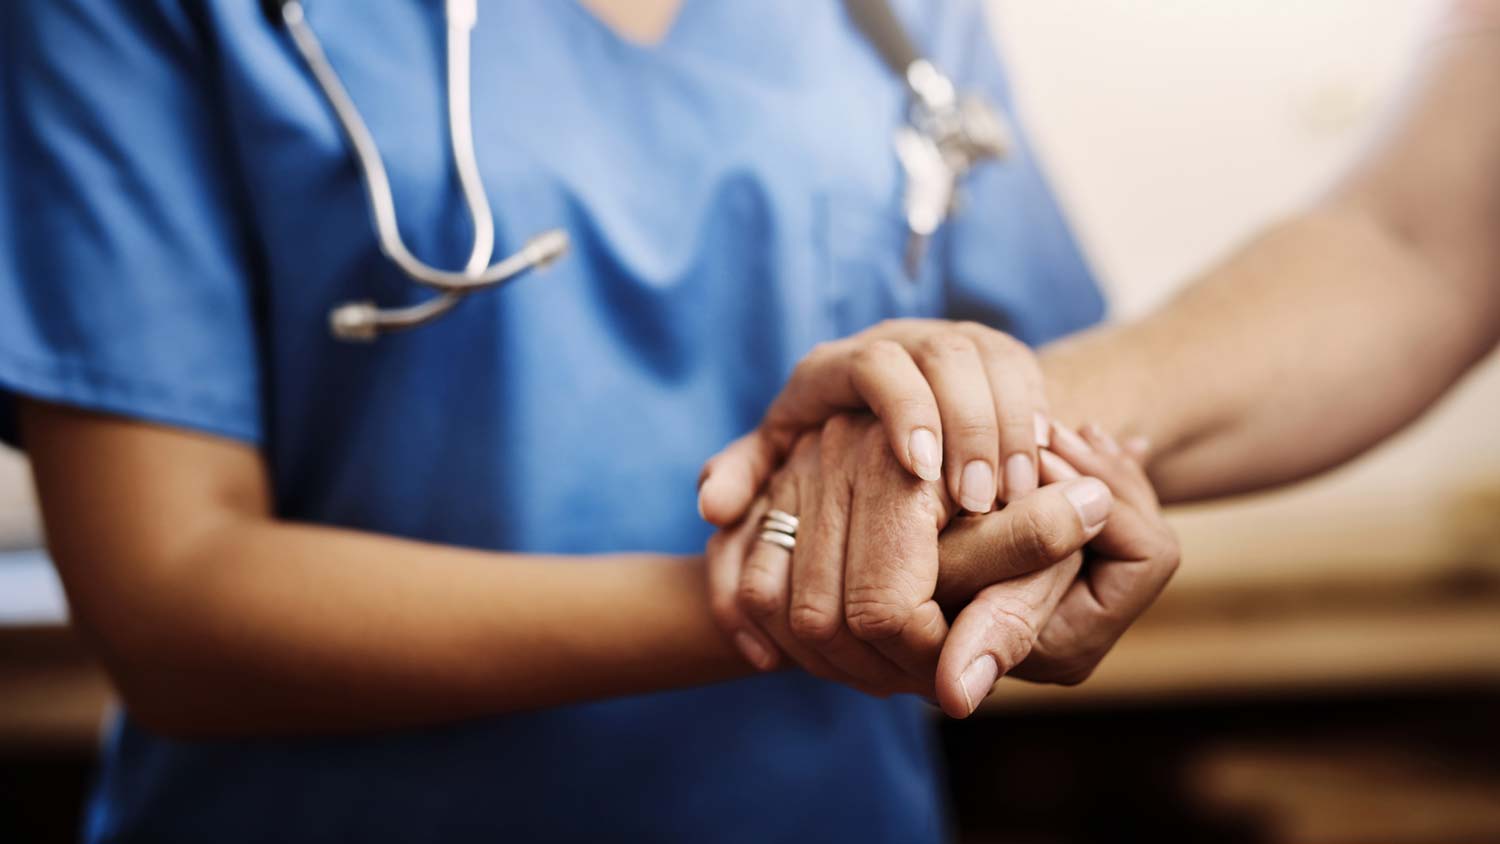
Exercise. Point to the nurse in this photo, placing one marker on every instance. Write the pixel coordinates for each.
(395, 592)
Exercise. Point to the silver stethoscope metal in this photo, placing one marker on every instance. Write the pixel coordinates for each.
(948, 134)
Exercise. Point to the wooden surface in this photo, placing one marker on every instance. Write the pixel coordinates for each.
(54, 694)
(18, 516)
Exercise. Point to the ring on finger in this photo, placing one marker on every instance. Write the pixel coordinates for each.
(779, 528)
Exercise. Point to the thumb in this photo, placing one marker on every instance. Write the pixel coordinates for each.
(1032, 533)
(996, 633)
(730, 479)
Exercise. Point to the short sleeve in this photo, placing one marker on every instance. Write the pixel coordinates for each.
(125, 278)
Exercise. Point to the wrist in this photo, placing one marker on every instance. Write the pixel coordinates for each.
(1097, 377)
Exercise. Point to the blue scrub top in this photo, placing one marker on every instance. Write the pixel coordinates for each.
(178, 212)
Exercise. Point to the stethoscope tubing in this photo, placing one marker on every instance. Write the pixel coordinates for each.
(363, 320)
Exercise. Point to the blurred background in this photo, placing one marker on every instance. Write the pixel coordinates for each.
(1326, 666)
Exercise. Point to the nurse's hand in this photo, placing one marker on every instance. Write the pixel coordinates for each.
(861, 599)
(958, 401)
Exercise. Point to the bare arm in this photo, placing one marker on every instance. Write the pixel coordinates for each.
(215, 618)
(1331, 330)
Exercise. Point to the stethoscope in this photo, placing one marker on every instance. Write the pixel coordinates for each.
(948, 135)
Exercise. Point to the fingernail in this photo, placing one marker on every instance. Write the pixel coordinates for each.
(978, 680)
(754, 651)
(1091, 498)
(1138, 446)
(923, 447)
(700, 505)
(1043, 431)
(976, 489)
(1020, 476)
(1069, 439)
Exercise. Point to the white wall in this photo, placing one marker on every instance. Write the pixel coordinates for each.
(1172, 130)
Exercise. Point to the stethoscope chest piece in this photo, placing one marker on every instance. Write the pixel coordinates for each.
(364, 321)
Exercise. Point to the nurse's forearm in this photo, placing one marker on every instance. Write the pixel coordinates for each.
(214, 618)
(1314, 343)
(285, 628)
(1334, 329)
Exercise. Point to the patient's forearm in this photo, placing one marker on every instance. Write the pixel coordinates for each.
(1332, 330)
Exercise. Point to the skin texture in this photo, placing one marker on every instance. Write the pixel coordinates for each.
(215, 618)
(1333, 329)
(1321, 337)
(975, 392)
(1043, 623)
(897, 591)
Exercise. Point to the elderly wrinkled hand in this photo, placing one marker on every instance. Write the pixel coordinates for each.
(1125, 566)
(860, 596)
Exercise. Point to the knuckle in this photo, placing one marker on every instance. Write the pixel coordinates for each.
(870, 436)
(972, 426)
(873, 456)
(1013, 628)
(761, 597)
(836, 430)
(1017, 416)
(805, 449)
(1001, 343)
(873, 354)
(876, 613)
(725, 609)
(813, 620)
(930, 499)
(1038, 535)
(820, 352)
(912, 410)
(945, 345)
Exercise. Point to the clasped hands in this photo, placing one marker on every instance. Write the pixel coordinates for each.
(948, 533)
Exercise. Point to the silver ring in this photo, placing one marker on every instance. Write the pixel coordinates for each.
(779, 528)
(782, 540)
(782, 519)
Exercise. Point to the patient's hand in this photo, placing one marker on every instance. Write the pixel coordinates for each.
(861, 597)
(1125, 567)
